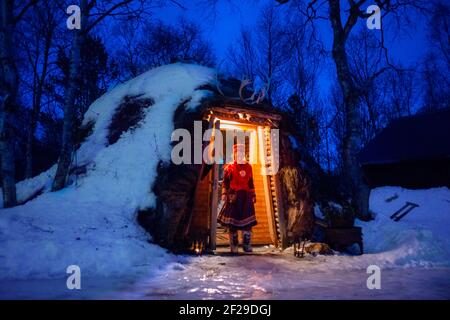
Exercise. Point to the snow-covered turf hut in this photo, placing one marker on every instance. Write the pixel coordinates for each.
(187, 195)
(123, 174)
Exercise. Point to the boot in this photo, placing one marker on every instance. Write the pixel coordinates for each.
(247, 235)
(234, 241)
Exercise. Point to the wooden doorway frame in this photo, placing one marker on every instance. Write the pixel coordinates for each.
(270, 194)
(214, 196)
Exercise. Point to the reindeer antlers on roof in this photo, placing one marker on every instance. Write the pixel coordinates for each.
(255, 98)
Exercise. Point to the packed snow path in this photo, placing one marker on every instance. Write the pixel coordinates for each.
(263, 275)
(282, 276)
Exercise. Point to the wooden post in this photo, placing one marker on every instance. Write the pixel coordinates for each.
(277, 192)
(282, 222)
(215, 196)
(267, 192)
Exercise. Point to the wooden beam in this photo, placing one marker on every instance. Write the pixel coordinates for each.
(282, 221)
(252, 112)
(267, 196)
(214, 197)
(277, 192)
(253, 120)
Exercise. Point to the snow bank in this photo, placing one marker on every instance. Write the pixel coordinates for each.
(93, 223)
(28, 188)
(420, 239)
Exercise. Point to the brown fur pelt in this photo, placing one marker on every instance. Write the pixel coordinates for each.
(318, 248)
(297, 203)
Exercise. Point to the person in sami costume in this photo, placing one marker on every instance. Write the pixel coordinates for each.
(238, 194)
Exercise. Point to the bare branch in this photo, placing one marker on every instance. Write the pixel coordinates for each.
(177, 3)
(24, 10)
(106, 13)
(355, 14)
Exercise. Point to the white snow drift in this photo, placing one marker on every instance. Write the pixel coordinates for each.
(421, 238)
(93, 223)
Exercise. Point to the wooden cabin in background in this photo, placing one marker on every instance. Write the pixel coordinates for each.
(411, 152)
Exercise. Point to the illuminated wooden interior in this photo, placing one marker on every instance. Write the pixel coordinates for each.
(267, 205)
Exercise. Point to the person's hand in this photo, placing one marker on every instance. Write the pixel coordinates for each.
(224, 198)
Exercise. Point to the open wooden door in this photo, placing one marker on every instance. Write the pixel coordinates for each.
(197, 226)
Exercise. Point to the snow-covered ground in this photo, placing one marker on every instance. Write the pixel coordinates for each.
(265, 275)
(93, 224)
(421, 238)
(280, 276)
(413, 255)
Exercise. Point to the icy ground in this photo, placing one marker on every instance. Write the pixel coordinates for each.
(275, 275)
(267, 274)
(413, 254)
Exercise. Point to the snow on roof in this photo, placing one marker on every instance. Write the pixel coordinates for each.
(168, 86)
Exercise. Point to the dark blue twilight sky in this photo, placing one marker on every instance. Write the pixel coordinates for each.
(223, 28)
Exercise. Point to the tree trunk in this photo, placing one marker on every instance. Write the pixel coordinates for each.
(37, 107)
(65, 157)
(29, 146)
(30, 134)
(353, 175)
(8, 96)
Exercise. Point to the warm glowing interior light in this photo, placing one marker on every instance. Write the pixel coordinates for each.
(228, 122)
(230, 126)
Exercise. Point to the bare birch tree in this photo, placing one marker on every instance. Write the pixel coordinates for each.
(38, 42)
(11, 12)
(92, 13)
(343, 16)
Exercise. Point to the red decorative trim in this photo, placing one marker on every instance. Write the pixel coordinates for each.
(238, 223)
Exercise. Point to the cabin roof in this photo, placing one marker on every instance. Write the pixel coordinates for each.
(423, 136)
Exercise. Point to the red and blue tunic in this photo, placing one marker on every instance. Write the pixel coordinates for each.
(239, 210)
